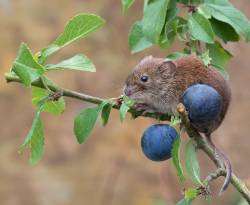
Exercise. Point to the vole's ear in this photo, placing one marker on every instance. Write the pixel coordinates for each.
(145, 59)
(167, 67)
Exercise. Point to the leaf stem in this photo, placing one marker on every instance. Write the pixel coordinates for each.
(45, 84)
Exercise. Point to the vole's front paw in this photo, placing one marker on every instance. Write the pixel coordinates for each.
(144, 108)
(117, 100)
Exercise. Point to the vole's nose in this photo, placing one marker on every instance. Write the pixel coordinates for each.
(127, 91)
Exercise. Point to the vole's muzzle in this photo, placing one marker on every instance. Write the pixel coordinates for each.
(128, 92)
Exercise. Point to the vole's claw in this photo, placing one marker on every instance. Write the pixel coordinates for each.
(140, 106)
(144, 108)
(147, 112)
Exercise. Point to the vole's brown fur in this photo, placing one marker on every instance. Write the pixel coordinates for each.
(167, 81)
(190, 70)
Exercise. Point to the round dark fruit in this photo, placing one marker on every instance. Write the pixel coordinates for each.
(157, 141)
(203, 104)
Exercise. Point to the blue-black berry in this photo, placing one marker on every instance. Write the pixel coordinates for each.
(157, 141)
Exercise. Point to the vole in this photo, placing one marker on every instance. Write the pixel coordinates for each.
(157, 85)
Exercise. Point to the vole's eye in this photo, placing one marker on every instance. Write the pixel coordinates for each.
(144, 78)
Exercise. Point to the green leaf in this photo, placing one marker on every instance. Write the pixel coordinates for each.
(129, 102)
(191, 194)
(175, 153)
(205, 57)
(224, 11)
(184, 202)
(183, 1)
(224, 30)
(78, 62)
(106, 112)
(55, 107)
(85, 122)
(46, 52)
(126, 4)
(170, 29)
(242, 201)
(154, 19)
(146, 3)
(203, 12)
(182, 26)
(35, 139)
(175, 120)
(25, 66)
(78, 27)
(219, 56)
(36, 56)
(200, 28)
(190, 1)
(137, 40)
(197, 1)
(126, 104)
(123, 111)
(176, 55)
(192, 164)
(167, 39)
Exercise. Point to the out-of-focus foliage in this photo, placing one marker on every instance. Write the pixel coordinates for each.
(206, 21)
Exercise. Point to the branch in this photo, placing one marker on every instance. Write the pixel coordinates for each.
(205, 147)
(201, 142)
(215, 175)
(87, 98)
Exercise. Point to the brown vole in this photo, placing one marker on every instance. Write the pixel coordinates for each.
(157, 85)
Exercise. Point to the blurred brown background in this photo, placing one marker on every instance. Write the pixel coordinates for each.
(109, 168)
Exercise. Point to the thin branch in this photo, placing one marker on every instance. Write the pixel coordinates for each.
(215, 175)
(201, 141)
(65, 92)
